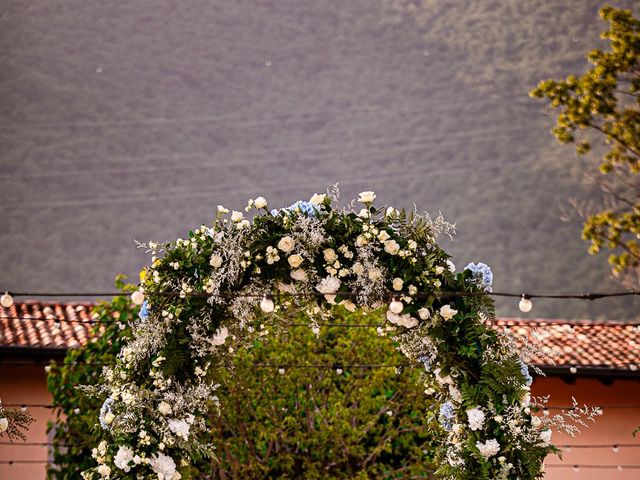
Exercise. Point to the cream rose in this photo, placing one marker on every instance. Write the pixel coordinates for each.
(260, 202)
(299, 275)
(330, 255)
(391, 246)
(397, 284)
(295, 261)
(215, 261)
(366, 197)
(236, 216)
(318, 198)
(286, 244)
(447, 312)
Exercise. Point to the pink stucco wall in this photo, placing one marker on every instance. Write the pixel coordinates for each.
(25, 384)
(614, 427)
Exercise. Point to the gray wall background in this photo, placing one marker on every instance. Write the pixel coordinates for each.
(123, 120)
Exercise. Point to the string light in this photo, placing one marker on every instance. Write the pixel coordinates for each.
(396, 305)
(267, 305)
(573, 370)
(525, 304)
(6, 300)
(615, 449)
(137, 297)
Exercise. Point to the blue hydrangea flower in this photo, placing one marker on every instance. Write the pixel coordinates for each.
(307, 208)
(482, 275)
(144, 311)
(447, 414)
(104, 409)
(426, 361)
(524, 368)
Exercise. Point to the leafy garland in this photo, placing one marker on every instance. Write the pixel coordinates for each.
(205, 299)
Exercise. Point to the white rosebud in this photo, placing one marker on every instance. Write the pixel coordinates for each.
(366, 197)
(286, 244)
(295, 261)
(424, 313)
(215, 261)
(447, 312)
(236, 216)
(164, 408)
(299, 275)
(397, 284)
(104, 470)
(222, 210)
(317, 198)
(260, 202)
(4, 424)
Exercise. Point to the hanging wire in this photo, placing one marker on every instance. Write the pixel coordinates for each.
(388, 295)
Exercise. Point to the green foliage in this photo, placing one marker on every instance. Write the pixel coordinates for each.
(310, 423)
(604, 103)
(317, 423)
(75, 428)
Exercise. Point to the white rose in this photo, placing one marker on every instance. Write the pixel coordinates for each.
(236, 216)
(545, 436)
(242, 224)
(405, 320)
(221, 209)
(391, 246)
(476, 418)
(535, 421)
(4, 424)
(424, 313)
(317, 198)
(299, 275)
(357, 268)
(164, 408)
(366, 197)
(295, 261)
(109, 418)
(488, 448)
(447, 312)
(383, 235)
(286, 244)
(391, 211)
(397, 284)
(439, 270)
(451, 266)
(330, 255)
(104, 470)
(260, 202)
(361, 241)
(215, 261)
(329, 285)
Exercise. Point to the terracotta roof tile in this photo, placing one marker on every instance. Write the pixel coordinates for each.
(579, 343)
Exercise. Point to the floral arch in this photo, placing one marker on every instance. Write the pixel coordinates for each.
(228, 285)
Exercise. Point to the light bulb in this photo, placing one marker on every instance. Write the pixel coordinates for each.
(545, 412)
(396, 305)
(573, 370)
(6, 300)
(615, 449)
(525, 304)
(137, 297)
(267, 305)
(281, 371)
(339, 371)
(575, 468)
(619, 467)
